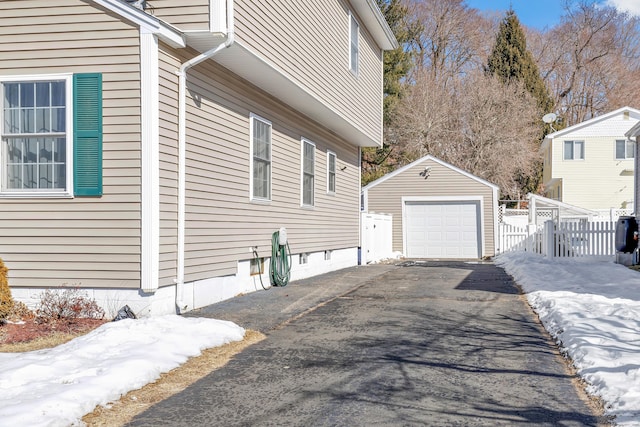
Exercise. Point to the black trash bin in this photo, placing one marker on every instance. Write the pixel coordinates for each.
(626, 234)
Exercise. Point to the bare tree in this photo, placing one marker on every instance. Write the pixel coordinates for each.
(477, 123)
(582, 60)
(448, 45)
(422, 121)
(590, 63)
(500, 127)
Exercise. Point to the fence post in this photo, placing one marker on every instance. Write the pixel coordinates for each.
(530, 241)
(549, 240)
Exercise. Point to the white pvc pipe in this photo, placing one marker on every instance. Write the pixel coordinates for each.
(181, 306)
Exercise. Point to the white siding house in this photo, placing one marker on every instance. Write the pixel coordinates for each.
(591, 164)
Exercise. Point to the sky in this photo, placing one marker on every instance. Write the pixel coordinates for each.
(592, 309)
(544, 14)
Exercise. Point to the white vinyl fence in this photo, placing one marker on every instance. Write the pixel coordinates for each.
(560, 240)
(375, 237)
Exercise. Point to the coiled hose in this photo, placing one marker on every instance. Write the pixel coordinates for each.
(280, 265)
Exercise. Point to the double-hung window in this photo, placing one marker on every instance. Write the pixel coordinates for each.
(331, 172)
(353, 44)
(308, 172)
(573, 150)
(624, 149)
(260, 159)
(51, 135)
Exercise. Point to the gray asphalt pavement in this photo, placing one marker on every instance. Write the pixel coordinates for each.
(424, 344)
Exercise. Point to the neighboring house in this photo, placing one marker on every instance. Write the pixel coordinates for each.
(439, 210)
(591, 164)
(146, 153)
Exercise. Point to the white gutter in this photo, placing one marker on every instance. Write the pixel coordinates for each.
(181, 304)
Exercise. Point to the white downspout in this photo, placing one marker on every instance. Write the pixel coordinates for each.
(181, 306)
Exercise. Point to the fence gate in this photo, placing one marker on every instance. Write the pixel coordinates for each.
(375, 237)
(563, 239)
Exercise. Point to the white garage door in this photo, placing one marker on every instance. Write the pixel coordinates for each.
(442, 229)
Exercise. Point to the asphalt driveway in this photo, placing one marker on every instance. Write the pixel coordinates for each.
(423, 343)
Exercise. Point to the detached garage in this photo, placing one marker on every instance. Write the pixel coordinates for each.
(439, 211)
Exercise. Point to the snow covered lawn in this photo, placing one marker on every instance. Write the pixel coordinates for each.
(592, 309)
(58, 386)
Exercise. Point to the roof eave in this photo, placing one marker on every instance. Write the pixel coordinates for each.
(376, 24)
(591, 121)
(424, 159)
(167, 33)
(256, 69)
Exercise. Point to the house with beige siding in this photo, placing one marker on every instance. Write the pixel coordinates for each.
(150, 153)
(439, 211)
(591, 164)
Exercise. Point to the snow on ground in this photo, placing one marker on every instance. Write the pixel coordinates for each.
(592, 309)
(58, 386)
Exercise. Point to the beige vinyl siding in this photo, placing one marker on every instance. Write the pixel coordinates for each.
(309, 40)
(386, 197)
(598, 181)
(186, 15)
(222, 223)
(85, 241)
(168, 82)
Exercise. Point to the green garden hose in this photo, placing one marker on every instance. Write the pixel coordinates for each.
(280, 265)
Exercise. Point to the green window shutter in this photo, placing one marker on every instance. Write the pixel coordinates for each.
(87, 134)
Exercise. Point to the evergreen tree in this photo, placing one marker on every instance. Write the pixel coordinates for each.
(511, 61)
(397, 64)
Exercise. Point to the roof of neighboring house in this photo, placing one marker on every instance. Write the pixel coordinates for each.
(422, 160)
(588, 123)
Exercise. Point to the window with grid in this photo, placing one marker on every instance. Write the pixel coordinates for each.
(34, 135)
(353, 44)
(624, 149)
(331, 172)
(308, 172)
(261, 159)
(574, 150)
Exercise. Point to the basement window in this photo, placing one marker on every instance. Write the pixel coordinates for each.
(256, 266)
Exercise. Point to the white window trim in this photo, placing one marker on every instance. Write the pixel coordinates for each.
(304, 141)
(354, 66)
(626, 155)
(253, 198)
(335, 172)
(68, 191)
(574, 159)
